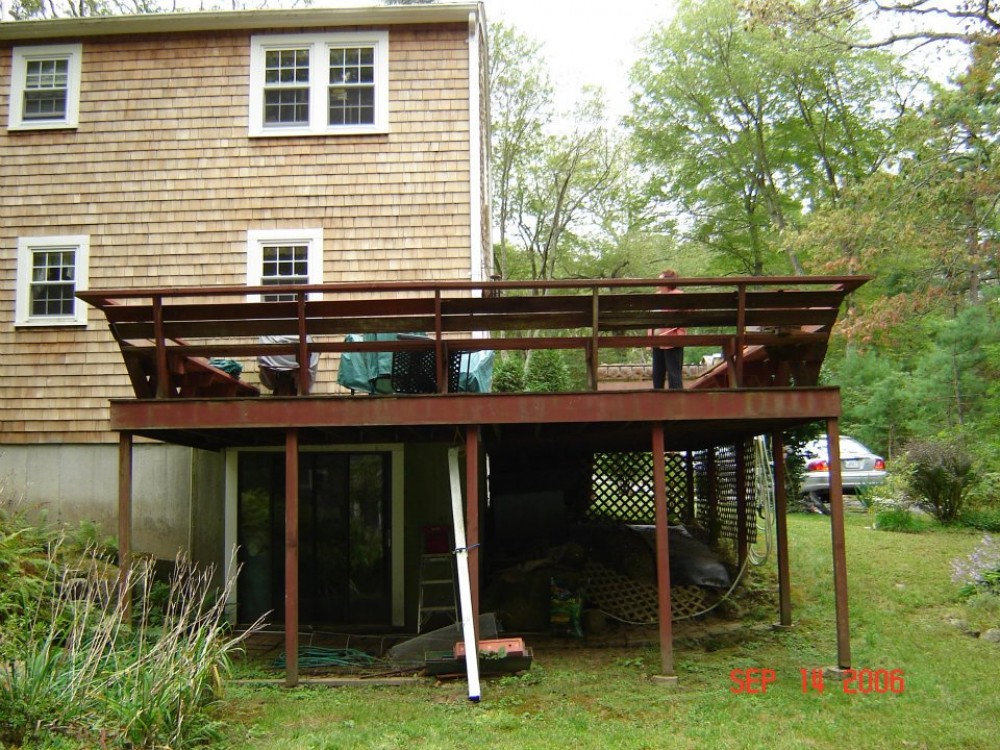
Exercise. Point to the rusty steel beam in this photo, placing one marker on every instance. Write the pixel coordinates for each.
(781, 530)
(794, 405)
(291, 558)
(125, 520)
(662, 553)
(472, 517)
(838, 543)
(101, 297)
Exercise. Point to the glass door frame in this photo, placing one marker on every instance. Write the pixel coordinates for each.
(397, 581)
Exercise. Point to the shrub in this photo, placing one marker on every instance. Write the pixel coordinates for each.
(546, 372)
(508, 374)
(942, 474)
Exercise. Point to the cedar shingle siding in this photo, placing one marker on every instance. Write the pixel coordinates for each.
(162, 176)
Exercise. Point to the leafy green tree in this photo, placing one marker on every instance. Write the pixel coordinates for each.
(565, 192)
(912, 23)
(520, 107)
(751, 128)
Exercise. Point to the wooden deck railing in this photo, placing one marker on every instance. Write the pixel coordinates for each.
(164, 333)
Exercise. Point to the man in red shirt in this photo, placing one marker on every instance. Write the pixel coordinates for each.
(668, 363)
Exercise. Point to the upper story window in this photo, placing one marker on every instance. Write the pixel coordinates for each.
(45, 87)
(278, 257)
(319, 84)
(50, 270)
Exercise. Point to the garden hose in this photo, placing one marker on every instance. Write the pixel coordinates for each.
(317, 656)
(764, 493)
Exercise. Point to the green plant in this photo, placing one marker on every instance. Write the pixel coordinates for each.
(980, 571)
(546, 372)
(508, 374)
(942, 474)
(899, 519)
(74, 662)
(983, 519)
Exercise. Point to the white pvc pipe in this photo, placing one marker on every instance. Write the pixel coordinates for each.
(464, 582)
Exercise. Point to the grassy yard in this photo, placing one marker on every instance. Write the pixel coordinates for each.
(901, 598)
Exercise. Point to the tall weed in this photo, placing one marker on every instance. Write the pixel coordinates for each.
(77, 664)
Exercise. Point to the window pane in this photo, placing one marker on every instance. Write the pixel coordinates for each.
(46, 85)
(352, 65)
(52, 275)
(284, 264)
(352, 106)
(288, 66)
(286, 106)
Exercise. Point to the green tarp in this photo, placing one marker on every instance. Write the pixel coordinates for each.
(371, 372)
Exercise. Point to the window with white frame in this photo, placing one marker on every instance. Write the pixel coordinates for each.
(45, 87)
(319, 84)
(50, 271)
(278, 257)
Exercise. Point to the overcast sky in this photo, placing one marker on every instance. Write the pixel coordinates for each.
(585, 41)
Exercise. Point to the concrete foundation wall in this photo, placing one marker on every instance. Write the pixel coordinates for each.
(67, 484)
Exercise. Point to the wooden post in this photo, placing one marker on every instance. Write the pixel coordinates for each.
(440, 363)
(839, 546)
(662, 554)
(163, 387)
(305, 376)
(291, 558)
(781, 530)
(472, 516)
(741, 331)
(593, 348)
(125, 521)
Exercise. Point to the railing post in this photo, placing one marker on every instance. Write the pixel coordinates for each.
(741, 331)
(593, 355)
(304, 375)
(441, 366)
(163, 389)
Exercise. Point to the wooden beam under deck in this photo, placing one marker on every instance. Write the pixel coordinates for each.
(797, 405)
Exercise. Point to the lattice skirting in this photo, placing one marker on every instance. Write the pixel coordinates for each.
(634, 602)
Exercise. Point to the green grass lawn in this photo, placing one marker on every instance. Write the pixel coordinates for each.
(901, 597)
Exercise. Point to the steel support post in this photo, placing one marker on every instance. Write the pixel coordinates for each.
(125, 520)
(839, 546)
(291, 558)
(472, 516)
(662, 553)
(781, 530)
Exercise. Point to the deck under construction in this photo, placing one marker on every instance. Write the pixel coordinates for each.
(772, 334)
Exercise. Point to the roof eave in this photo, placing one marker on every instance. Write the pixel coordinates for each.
(176, 23)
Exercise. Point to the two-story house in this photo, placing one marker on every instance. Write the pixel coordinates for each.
(203, 181)
(234, 148)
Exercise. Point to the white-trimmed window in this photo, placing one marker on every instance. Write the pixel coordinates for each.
(50, 270)
(319, 84)
(45, 87)
(278, 257)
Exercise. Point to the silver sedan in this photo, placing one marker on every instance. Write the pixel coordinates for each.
(859, 467)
